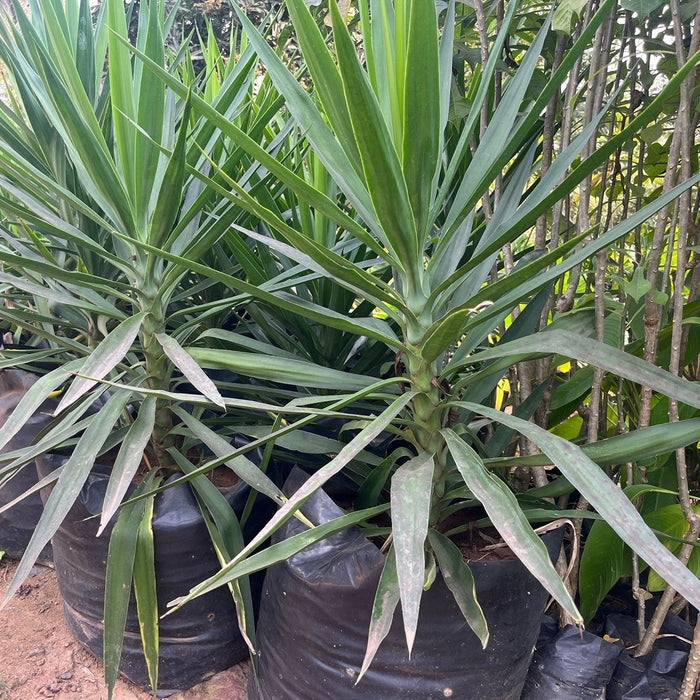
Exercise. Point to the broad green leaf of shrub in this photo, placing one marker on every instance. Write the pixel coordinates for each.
(566, 15)
(670, 521)
(604, 561)
(642, 8)
(639, 285)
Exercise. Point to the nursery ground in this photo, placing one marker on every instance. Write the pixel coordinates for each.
(39, 658)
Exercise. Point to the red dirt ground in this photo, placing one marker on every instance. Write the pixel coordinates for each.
(39, 658)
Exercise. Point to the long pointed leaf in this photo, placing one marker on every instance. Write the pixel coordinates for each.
(385, 601)
(103, 360)
(606, 498)
(118, 578)
(313, 483)
(192, 371)
(411, 491)
(69, 484)
(145, 591)
(276, 553)
(507, 517)
(595, 353)
(459, 579)
(383, 173)
(296, 372)
(128, 460)
(422, 138)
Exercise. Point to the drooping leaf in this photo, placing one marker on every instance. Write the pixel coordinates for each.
(103, 359)
(592, 352)
(238, 566)
(240, 464)
(459, 579)
(281, 551)
(411, 491)
(507, 517)
(607, 499)
(192, 371)
(128, 460)
(120, 567)
(385, 601)
(145, 591)
(32, 400)
(118, 578)
(69, 484)
(227, 537)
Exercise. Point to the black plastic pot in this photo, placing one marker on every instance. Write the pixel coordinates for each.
(17, 524)
(572, 665)
(660, 673)
(198, 640)
(315, 614)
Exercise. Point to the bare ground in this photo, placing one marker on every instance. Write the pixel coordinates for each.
(40, 659)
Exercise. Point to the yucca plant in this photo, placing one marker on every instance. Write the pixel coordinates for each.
(100, 168)
(376, 118)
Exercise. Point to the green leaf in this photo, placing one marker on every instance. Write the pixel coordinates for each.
(595, 353)
(32, 400)
(128, 460)
(639, 285)
(108, 354)
(145, 591)
(386, 599)
(500, 141)
(326, 77)
(380, 161)
(567, 13)
(441, 335)
(642, 8)
(317, 257)
(227, 537)
(411, 491)
(604, 561)
(120, 566)
(240, 464)
(670, 521)
(422, 139)
(459, 579)
(70, 483)
(635, 445)
(505, 514)
(277, 369)
(606, 498)
(152, 117)
(192, 371)
(276, 553)
(85, 50)
(169, 198)
(311, 120)
(122, 93)
(237, 566)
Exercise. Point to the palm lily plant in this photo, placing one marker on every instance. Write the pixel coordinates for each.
(423, 209)
(99, 171)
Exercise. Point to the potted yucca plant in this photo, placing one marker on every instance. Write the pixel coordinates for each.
(99, 172)
(377, 118)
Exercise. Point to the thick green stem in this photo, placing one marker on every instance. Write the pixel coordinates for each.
(430, 416)
(158, 371)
